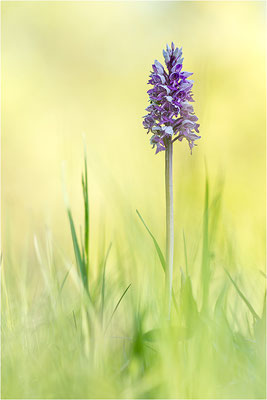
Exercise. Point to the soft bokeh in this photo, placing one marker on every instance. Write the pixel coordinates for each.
(70, 68)
(80, 69)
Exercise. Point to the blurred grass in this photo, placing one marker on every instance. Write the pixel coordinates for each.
(69, 68)
(86, 338)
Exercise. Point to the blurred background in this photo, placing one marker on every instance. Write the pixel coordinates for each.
(74, 68)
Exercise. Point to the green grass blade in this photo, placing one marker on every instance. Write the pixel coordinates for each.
(74, 320)
(78, 256)
(117, 305)
(104, 283)
(160, 255)
(64, 280)
(251, 309)
(159, 252)
(86, 212)
(263, 274)
(77, 252)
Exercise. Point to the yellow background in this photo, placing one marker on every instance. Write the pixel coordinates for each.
(70, 68)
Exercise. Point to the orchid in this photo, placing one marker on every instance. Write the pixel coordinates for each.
(170, 114)
(170, 117)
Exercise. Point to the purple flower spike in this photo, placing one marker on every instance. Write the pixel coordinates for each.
(170, 113)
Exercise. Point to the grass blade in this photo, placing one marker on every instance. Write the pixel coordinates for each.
(78, 255)
(160, 255)
(117, 305)
(251, 309)
(159, 252)
(77, 252)
(86, 212)
(74, 319)
(64, 280)
(103, 283)
(263, 274)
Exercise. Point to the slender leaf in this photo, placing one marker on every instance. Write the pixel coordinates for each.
(251, 309)
(77, 252)
(74, 319)
(160, 255)
(263, 274)
(64, 280)
(159, 252)
(117, 305)
(86, 212)
(104, 283)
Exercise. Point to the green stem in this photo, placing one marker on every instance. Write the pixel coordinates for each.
(169, 226)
